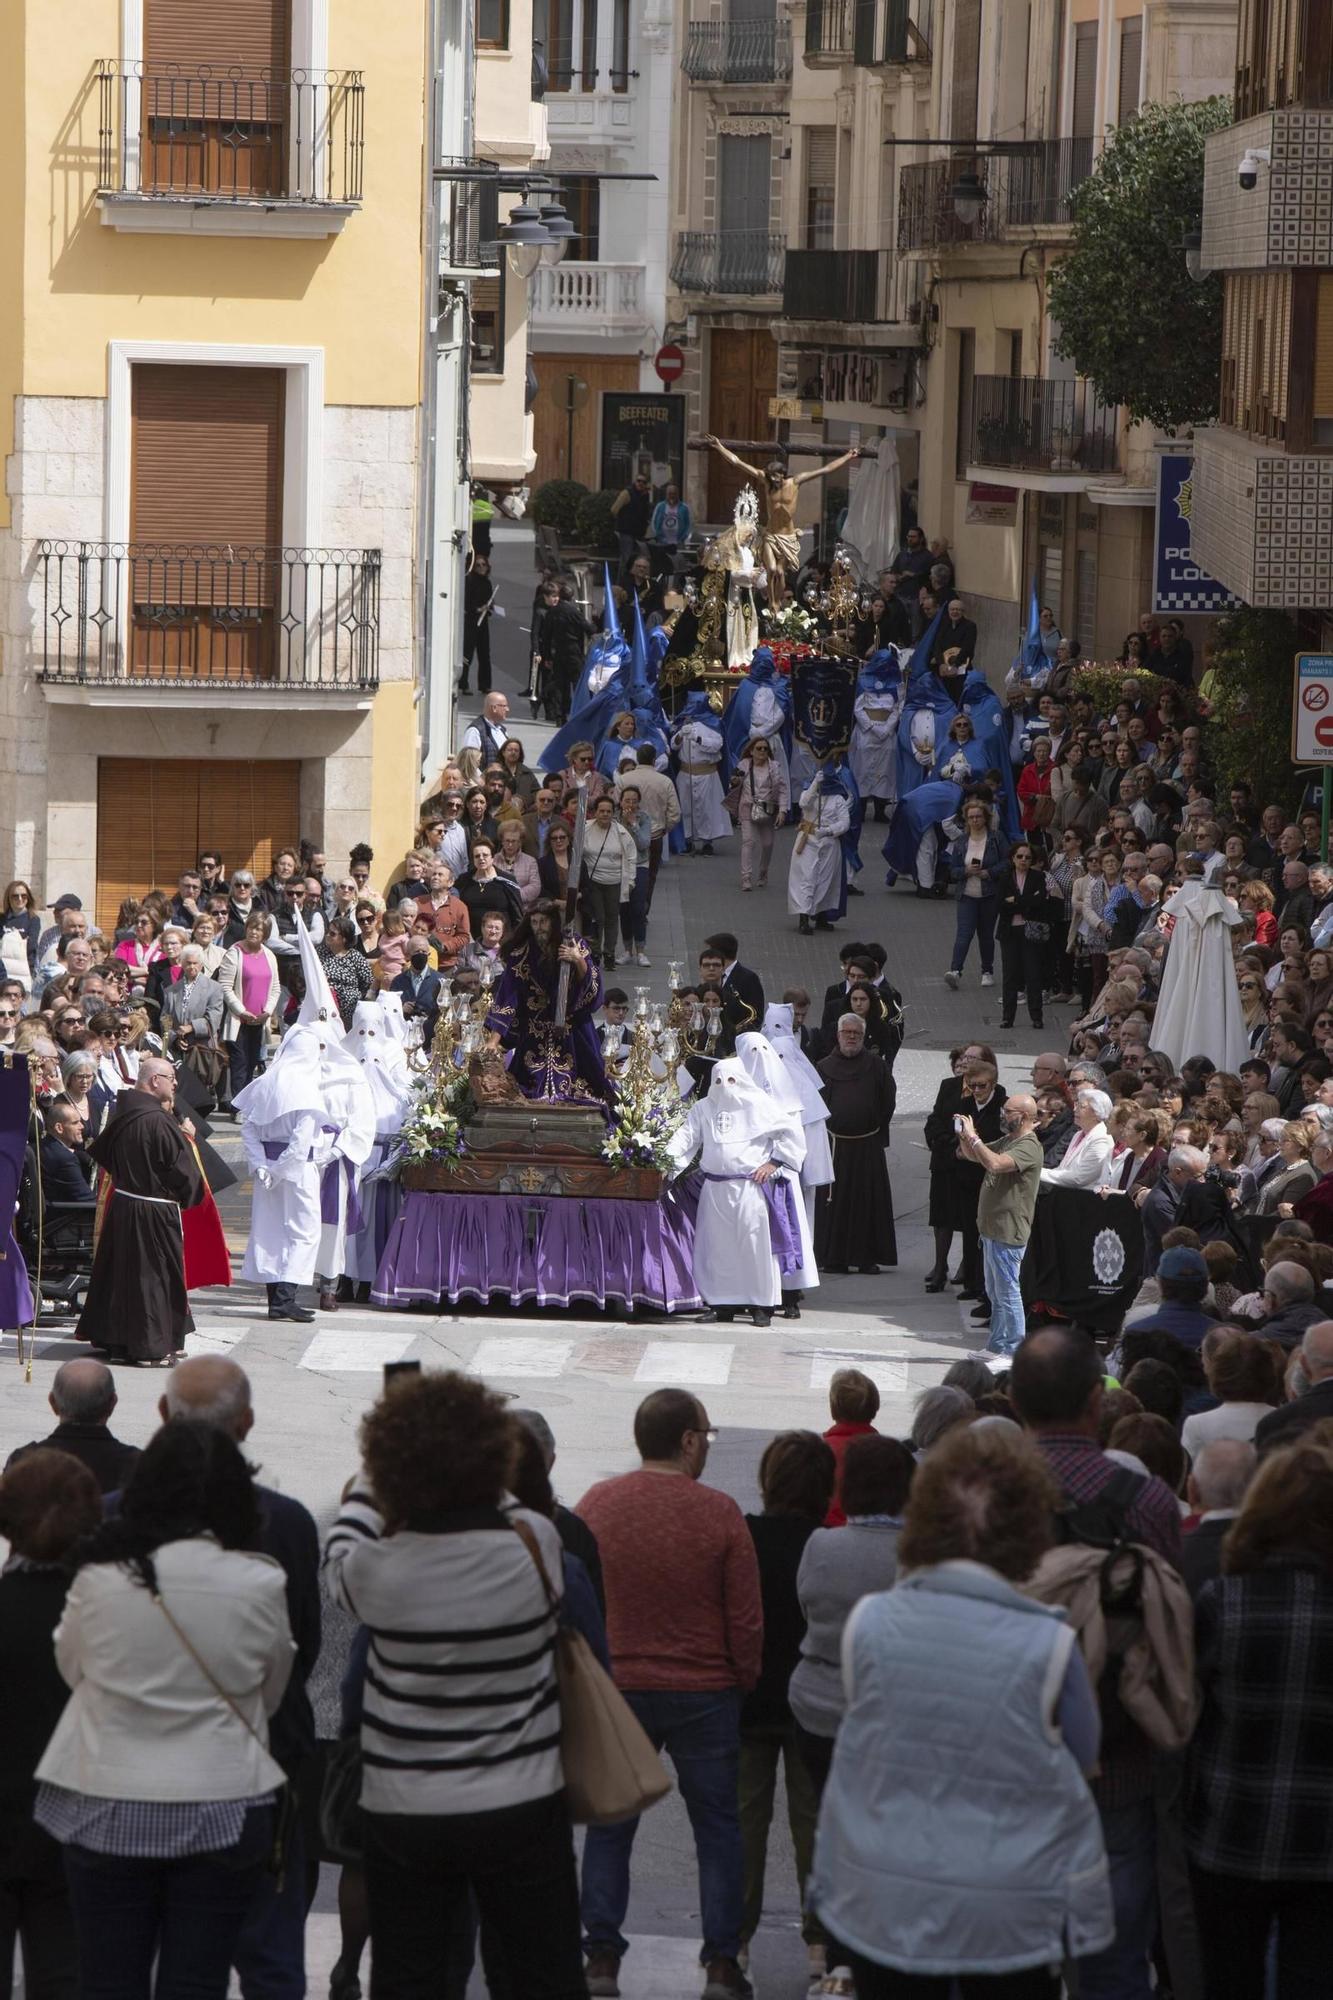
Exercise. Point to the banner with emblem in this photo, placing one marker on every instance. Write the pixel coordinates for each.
(1084, 1256)
(823, 695)
(1178, 583)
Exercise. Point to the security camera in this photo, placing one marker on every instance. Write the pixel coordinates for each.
(1247, 173)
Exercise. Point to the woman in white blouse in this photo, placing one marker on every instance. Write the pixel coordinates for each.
(157, 1780)
(1088, 1155)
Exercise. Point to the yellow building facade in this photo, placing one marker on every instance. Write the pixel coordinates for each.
(214, 294)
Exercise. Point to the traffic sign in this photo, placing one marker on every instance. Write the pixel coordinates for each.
(669, 361)
(1312, 709)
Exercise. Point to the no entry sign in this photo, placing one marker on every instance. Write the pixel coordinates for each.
(669, 361)
(1312, 709)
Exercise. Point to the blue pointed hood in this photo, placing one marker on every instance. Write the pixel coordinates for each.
(610, 617)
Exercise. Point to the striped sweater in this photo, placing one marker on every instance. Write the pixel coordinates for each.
(461, 1706)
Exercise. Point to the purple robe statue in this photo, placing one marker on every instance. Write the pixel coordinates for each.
(563, 1065)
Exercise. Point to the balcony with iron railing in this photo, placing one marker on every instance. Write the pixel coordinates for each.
(1028, 188)
(471, 218)
(590, 299)
(1035, 423)
(743, 262)
(131, 614)
(737, 52)
(182, 141)
(891, 31)
(853, 287)
(829, 31)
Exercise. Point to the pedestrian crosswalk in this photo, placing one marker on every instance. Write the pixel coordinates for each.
(896, 1360)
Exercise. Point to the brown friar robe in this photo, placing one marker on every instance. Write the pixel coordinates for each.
(136, 1305)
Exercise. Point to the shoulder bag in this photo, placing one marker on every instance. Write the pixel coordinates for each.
(284, 1802)
(611, 1770)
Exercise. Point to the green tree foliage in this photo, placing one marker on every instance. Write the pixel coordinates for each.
(596, 523)
(1249, 732)
(1131, 317)
(556, 505)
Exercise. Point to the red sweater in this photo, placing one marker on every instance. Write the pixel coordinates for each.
(682, 1583)
(838, 1437)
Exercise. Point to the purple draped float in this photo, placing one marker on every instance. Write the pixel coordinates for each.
(545, 1250)
(15, 1104)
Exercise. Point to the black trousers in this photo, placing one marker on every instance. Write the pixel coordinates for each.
(1235, 1917)
(35, 1913)
(519, 1865)
(1022, 963)
(876, 1982)
(477, 639)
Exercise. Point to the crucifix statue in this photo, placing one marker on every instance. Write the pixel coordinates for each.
(779, 539)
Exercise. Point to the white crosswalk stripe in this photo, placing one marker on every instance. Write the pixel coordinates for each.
(521, 1357)
(348, 1350)
(689, 1363)
(886, 1374)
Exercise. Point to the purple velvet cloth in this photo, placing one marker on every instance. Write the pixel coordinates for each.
(784, 1232)
(15, 1107)
(543, 1249)
(15, 1290)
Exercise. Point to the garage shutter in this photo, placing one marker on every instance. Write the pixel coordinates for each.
(154, 818)
(247, 35)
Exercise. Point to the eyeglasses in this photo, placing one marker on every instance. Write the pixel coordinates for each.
(7, 1014)
(710, 1435)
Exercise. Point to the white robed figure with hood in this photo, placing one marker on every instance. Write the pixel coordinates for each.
(306, 1124)
(747, 1232)
(764, 1066)
(779, 1028)
(372, 1041)
(1199, 1012)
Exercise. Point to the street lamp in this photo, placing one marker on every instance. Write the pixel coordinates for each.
(1192, 244)
(559, 229)
(524, 236)
(969, 198)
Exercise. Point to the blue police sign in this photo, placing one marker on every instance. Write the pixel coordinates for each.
(1178, 583)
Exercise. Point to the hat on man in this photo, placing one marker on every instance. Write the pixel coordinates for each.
(1182, 1263)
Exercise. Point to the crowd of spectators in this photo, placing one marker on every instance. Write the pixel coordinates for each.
(979, 1785)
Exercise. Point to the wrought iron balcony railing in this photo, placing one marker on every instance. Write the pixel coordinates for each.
(1034, 423)
(866, 287)
(828, 30)
(737, 51)
(275, 136)
(747, 261)
(1038, 182)
(471, 219)
(127, 613)
(891, 31)
(926, 216)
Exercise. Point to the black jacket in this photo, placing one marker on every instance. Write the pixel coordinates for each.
(1201, 1555)
(565, 633)
(779, 1543)
(960, 638)
(66, 1173)
(426, 1002)
(31, 1602)
(743, 1002)
(1030, 902)
(989, 1122)
(109, 1461)
(1284, 1426)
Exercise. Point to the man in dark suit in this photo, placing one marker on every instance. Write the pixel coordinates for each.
(270, 1953)
(1284, 1426)
(742, 990)
(856, 966)
(83, 1397)
(982, 1101)
(1217, 1482)
(956, 638)
(66, 1168)
(420, 989)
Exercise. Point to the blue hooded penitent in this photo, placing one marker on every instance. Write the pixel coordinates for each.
(736, 724)
(926, 805)
(881, 673)
(991, 730)
(924, 690)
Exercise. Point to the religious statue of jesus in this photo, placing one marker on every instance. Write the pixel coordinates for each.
(780, 538)
(558, 1064)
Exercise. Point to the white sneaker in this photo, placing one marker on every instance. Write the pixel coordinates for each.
(643, 958)
(951, 979)
(988, 979)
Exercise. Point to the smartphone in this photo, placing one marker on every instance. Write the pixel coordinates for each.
(957, 1126)
(393, 1370)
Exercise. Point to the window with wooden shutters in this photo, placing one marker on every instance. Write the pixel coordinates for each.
(966, 67)
(154, 819)
(1322, 398)
(821, 152)
(1083, 105)
(215, 96)
(1131, 56)
(488, 351)
(205, 519)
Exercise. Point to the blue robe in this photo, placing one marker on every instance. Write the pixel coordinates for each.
(736, 729)
(925, 806)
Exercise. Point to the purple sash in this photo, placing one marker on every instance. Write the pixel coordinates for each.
(328, 1184)
(784, 1234)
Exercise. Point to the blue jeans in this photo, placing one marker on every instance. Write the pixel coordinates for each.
(976, 918)
(701, 1735)
(634, 913)
(1001, 1263)
(1121, 1971)
(187, 1913)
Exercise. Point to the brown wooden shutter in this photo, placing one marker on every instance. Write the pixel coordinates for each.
(249, 35)
(1323, 349)
(966, 66)
(1131, 52)
(1083, 113)
(206, 455)
(153, 819)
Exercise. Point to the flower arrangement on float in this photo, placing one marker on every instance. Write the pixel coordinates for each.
(789, 621)
(647, 1109)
